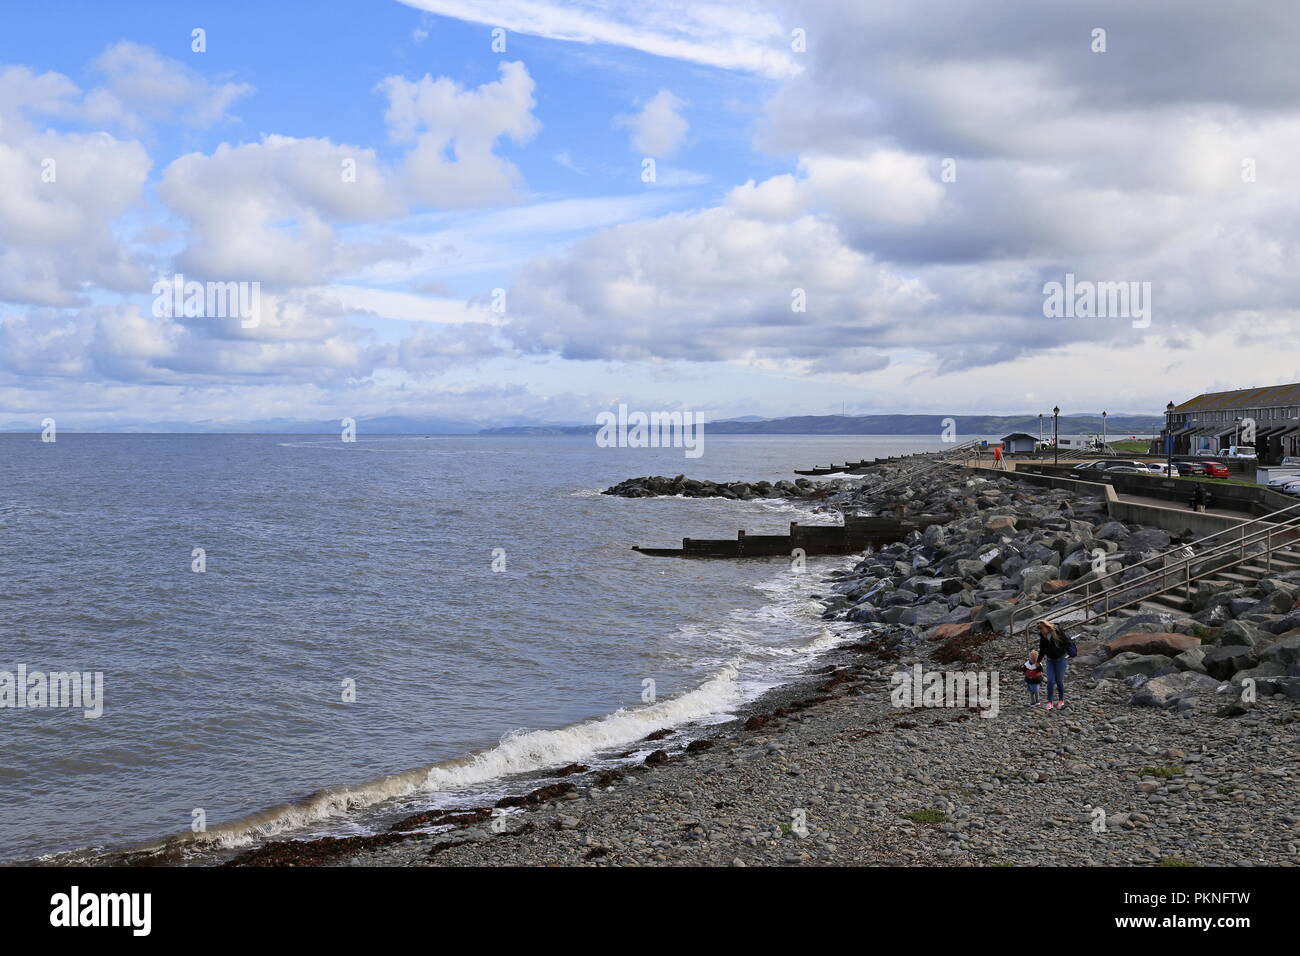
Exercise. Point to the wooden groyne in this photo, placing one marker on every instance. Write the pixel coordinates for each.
(847, 467)
(857, 467)
(856, 534)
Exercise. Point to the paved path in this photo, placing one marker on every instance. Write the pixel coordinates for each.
(1146, 500)
(1179, 506)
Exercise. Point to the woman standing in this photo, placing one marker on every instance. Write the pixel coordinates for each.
(1054, 653)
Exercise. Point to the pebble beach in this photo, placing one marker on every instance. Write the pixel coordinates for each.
(1156, 760)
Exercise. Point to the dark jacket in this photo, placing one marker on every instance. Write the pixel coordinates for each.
(1053, 649)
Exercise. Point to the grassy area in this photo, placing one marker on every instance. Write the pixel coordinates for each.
(927, 816)
(1167, 771)
(1131, 446)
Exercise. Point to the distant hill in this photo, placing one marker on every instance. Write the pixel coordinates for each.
(998, 425)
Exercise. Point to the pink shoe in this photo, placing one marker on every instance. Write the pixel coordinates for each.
(1049, 705)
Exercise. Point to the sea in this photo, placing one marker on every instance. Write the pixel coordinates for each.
(300, 636)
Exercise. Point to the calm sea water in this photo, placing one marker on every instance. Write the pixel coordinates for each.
(369, 562)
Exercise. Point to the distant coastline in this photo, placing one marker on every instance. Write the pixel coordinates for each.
(884, 425)
(981, 425)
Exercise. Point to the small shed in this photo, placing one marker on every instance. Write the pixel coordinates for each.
(1019, 443)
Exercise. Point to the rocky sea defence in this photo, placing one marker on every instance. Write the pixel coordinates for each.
(660, 486)
(1178, 746)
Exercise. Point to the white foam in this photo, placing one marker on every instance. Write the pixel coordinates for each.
(518, 752)
(525, 751)
(789, 612)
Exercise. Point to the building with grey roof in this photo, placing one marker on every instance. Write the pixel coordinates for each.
(1211, 422)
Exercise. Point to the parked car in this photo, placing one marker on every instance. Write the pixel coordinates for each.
(1160, 468)
(1289, 462)
(1239, 451)
(1110, 466)
(1281, 480)
(1192, 467)
(1127, 470)
(1215, 469)
(1291, 488)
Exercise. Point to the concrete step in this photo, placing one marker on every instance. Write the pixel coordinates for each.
(1234, 576)
(1167, 601)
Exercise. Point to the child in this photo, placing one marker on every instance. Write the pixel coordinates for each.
(1033, 677)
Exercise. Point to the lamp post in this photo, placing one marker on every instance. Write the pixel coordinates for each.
(1169, 439)
(1056, 435)
(1236, 430)
(1103, 433)
(1040, 428)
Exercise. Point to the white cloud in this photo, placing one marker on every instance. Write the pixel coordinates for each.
(659, 128)
(708, 286)
(454, 130)
(733, 36)
(264, 211)
(143, 88)
(62, 193)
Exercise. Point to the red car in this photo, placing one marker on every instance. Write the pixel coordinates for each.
(1215, 469)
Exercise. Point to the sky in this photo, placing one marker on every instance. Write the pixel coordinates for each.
(522, 211)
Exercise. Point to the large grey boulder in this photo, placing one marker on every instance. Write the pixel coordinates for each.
(1112, 531)
(1222, 662)
(1204, 592)
(1213, 616)
(1170, 645)
(1129, 664)
(1034, 577)
(1166, 691)
(1287, 622)
(1000, 618)
(1148, 539)
(1191, 660)
(1005, 524)
(926, 586)
(1285, 652)
(1145, 623)
(1279, 686)
(865, 615)
(1260, 672)
(1239, 634)
(925, 615)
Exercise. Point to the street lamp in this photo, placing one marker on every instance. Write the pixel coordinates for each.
(1103, 433)
(1040, 428)
(1169, 439)
(1056, 435)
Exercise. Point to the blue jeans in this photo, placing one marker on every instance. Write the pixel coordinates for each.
(1033, 691)
(1056, 669)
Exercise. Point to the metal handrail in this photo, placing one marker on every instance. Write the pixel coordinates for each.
(1236, 531)
(1186, 582)
(1240, 544)
(1264, 536)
